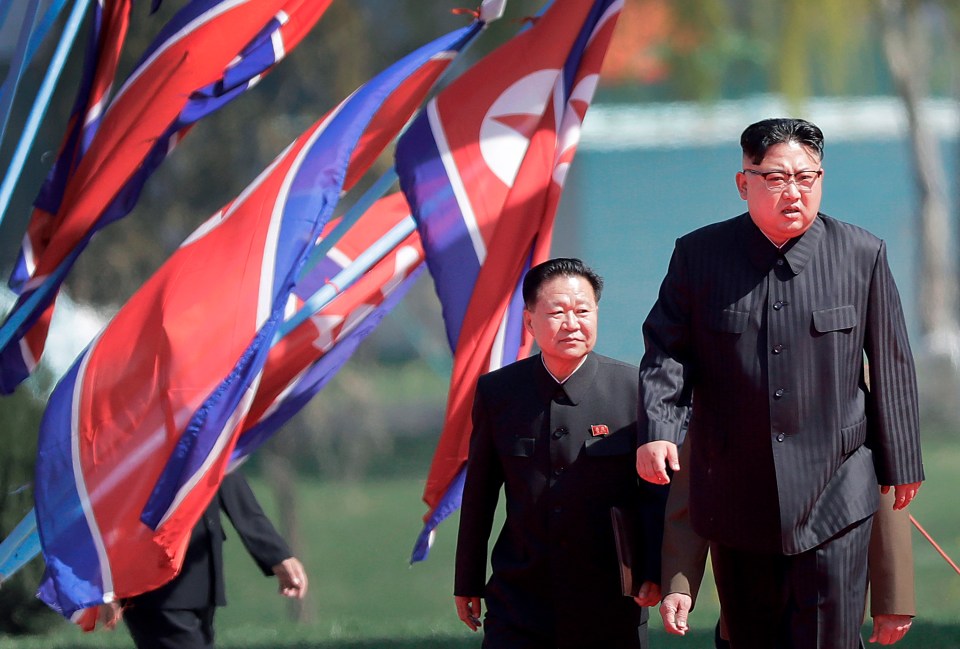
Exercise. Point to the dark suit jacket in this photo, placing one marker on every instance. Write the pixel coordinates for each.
(554, 566)
(200, 581)
(789, 445)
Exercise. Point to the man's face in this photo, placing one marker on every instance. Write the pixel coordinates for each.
(785, 213)
(563, 321)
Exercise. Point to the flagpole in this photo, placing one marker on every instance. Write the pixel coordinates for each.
(345, 278)
(41, 103)
(48, 21)
(22, 545)
(19, 314)
(4, 10)
(358, 209)
(490, 10)
(18, 63)
(31, 35)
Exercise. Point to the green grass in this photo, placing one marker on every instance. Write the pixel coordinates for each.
(356, 542)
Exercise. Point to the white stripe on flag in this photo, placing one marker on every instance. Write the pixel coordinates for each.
(106, 574)
(456, 182)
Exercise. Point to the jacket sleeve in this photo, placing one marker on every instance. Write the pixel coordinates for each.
(481, 491)
(255, 530)
(684, 552)
(892, 403)
(664, 368)
(891, 562)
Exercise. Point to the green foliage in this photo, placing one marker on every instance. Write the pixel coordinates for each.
(720, 49)
(20, 414)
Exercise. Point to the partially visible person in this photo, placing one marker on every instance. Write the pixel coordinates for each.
(892, 595)
(179, 614)
(557, 432)
(764, 321)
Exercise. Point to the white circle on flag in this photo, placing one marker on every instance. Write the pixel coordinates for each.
(511, 120)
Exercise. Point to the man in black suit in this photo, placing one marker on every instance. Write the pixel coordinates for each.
(179, 614)
(764, 320)
(558, 432)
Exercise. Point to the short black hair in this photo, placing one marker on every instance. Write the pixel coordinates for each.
(558, 267)
(758, 138)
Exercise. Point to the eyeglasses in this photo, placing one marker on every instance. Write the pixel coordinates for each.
(777, 181)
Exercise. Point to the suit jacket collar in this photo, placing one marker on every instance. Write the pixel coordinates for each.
(797, 251)
(577, 387)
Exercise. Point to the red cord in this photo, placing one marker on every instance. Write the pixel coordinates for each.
(934, 544)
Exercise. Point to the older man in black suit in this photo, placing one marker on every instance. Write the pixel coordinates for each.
(765, 320)
(557, 432)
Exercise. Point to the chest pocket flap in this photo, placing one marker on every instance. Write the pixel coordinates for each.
(728, 321)
(835, 319)
(621, 443)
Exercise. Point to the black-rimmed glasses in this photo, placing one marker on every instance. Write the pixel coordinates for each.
(777, 181)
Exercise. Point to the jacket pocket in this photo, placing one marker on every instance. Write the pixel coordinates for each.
(523, 447)
(728, 321)
(853, 437)
(839, 318)
(616, 444)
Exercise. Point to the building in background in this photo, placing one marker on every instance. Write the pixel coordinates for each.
(646, 174)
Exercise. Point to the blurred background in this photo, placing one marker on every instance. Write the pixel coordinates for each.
(658, 157)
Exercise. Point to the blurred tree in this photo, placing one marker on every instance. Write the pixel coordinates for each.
(907, 46)
(704, 50)
(20, 611)
(644, 29)
(281, 473)
(819, 47)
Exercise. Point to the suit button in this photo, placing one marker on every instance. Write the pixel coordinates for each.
(777, 349)
(779, 262)
(779, 393)
(558, 433)
(781, 437)
(779, 304)
(558, 471)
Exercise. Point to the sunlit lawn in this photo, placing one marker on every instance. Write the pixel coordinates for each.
(356, 542)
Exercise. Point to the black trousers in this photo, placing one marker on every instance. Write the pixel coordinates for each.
(812, 600)
(158, 628)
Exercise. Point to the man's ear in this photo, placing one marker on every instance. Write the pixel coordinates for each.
(741, 180)
(528, 321)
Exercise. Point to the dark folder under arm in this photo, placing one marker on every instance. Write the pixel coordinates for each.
(626, 537)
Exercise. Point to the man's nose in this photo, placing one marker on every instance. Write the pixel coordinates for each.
(570, 320)
(792, 189)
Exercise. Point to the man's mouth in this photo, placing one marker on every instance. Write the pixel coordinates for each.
(791, 212)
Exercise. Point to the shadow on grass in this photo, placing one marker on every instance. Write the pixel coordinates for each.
(694, 640)
(924, 635)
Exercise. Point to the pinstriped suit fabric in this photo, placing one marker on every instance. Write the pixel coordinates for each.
(810, 600)
(770, 344)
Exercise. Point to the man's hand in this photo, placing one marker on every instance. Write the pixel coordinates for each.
(674, 611)
(903, 493)
(469, 609)
(648, 595)
(652, 461)
(292, 578)
(888, 629)
(109, 615)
